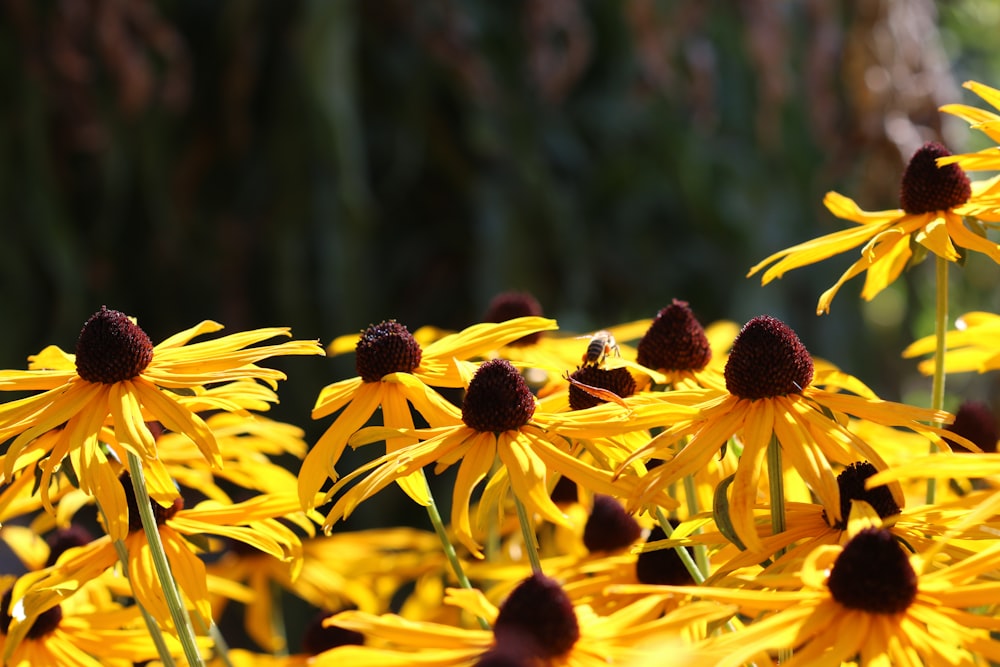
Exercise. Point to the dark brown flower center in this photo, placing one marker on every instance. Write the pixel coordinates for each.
(498, 398)
(510, 306)
(616, 380)
(873, 574)
(62, 539)
(675, 341)
(927, 187)
(43, 624)
(318, 638)
(975, 422)
(160, 513)
(851, 482)
(662, 567)
(112, 348)
(387, 347)
(538, 618)
(609, 527)
(767, 360)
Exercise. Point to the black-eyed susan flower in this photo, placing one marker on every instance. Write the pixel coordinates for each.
(869, 600)
(363, 570)
(770, 394)
(84, 631)
(537, 624)
(497, 422)
(119, 378)
(681, 351)
(932, 203)
(395, 372)
(983, 120)
(254, 522)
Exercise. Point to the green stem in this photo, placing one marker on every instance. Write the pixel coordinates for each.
(528, 531)
(940, 329)
(178, 612)
(691, 494)
(154, 628)
(776, 480)
(685, 555)
(448, 547)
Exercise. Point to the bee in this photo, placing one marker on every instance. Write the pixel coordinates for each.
(600, 346)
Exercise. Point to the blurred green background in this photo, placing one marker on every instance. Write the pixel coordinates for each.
(329, 164)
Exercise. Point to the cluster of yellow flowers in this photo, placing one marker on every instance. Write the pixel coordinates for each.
(657, 490)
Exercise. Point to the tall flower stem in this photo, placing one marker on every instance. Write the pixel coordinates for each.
(691, 494)
(154, 628)
(172, 595)
(689, 563)
(940, 328)
(448, 547)
(776, 480)
(528, 532)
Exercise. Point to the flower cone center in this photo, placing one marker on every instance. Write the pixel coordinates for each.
(498, 398)
(538, 618)
(975, 422)
(161, 513)
(510, 306)
(873, 574)
(662, 567)
(851, 482)
(616, 380)
(767, 360)
(43, 624)
(675, 341)
(112, 348)
(609, 527)
(926, 187)
(386, 348)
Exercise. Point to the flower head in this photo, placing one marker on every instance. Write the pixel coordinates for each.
(933, 202)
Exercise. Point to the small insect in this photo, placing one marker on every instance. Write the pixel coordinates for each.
(600, 346)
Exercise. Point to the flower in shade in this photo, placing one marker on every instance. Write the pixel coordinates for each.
(119, 378)
(932, 203)
(497, 421)
(396, 372)
(537, 624)
(770, 394)
(869, 601)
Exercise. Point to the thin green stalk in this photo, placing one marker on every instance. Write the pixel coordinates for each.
(448, 547)
(528, 531)
(691, 494)
(154, 628)
(278, 617)
(940, 328)
(776, 479)
(178, 612)
(692, 567)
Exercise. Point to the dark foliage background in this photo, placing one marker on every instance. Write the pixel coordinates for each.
(328, 164)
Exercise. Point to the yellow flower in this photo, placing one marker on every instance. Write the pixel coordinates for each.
(979, 119)
(933, 201)
(972, 345)
(867, 601)
(769, 377)
(537, 624)
(395, 372)
(83, 631)
(253, 522)
(118, 377)
(497, 421)
(357, 569)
